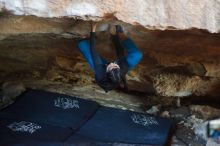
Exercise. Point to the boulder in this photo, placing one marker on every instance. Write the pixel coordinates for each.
(160, 14)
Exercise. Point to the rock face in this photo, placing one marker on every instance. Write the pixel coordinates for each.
(159, 14)
(176, 63)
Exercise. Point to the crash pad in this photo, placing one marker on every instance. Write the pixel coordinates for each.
(110, 125)
(23, 142)
(51, 108)
(25, 133)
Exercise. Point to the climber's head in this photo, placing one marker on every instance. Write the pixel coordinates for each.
(113, 73)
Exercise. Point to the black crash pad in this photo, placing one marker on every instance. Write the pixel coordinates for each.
(51, 108)
(120, 126)
(24, 133)
(13, 142)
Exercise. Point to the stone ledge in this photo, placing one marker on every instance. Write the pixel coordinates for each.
(169, 14)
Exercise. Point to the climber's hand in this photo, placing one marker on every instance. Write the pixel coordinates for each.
(93, 26)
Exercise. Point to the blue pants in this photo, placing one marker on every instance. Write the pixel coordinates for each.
(133, 55)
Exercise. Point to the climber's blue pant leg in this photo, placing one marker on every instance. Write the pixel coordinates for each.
(84, 47)
(133, 54)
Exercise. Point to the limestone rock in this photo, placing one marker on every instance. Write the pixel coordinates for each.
(207, 112)
(211, 142)
(154, 110)
(177, 142)
(187, 135)
(180, 113)
(178, 85)
(64, 63)
(160, 14)
(201, 131)
(10, 90)
(165, 114)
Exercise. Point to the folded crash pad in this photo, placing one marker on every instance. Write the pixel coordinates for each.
(25, 133)
(51, 108)
(120, 126)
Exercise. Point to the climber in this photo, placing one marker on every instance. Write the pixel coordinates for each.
(109, 76)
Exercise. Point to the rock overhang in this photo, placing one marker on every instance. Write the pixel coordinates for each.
(160, 14)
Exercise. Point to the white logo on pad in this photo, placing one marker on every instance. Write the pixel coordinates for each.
(24, 127)
(66, 103)
(144, 120)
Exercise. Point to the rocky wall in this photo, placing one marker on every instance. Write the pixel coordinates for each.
(159, 14)
(175, 62)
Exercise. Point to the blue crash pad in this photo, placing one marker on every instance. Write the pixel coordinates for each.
(29, 143)
(51, 108)
(120, 126)
(24, 133)
(13, 142)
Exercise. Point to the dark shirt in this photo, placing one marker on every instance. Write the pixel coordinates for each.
(106, 84)
(98, 64)
(100, 68)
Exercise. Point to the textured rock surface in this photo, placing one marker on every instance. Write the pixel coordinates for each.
(160, 14)
(175, 63)
(205, 112)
